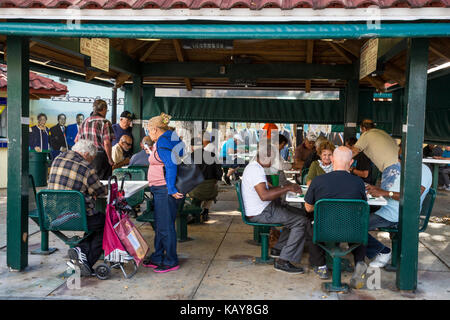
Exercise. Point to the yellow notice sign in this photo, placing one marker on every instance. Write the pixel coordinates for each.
(85, 46)
(100, 53)
(368, 58)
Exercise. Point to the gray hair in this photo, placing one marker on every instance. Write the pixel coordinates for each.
(83, 146)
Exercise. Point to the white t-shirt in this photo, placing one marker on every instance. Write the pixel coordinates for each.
(253, 175)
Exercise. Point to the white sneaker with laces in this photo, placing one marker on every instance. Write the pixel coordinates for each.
(381, 260)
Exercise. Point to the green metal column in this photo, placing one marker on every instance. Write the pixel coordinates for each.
(136, 109)
(413, 133)
(351, 108)
(18, 120)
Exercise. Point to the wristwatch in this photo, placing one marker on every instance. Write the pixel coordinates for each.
(391, 194)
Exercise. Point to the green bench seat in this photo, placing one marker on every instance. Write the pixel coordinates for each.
(263, 229)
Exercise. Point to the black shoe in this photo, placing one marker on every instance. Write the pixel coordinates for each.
(274, 253)
(79, 259)
(190, 219)
(205, 215)
(286, 266)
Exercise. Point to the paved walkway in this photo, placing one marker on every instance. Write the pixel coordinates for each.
(218, 264)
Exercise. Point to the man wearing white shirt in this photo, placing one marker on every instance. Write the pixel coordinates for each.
(260, 206)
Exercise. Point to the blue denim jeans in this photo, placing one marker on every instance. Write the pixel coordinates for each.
(373, 245)
(165, 234)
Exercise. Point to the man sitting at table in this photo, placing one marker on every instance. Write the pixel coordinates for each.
(141, 158)
(72, 170)
(339, 184)
(261, 206)
(387, 216)
(119, 151)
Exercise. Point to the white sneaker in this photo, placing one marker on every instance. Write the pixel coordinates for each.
(381, 260)
(447, 188)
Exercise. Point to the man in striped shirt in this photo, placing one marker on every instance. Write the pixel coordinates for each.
(99, 130)
(72, 170)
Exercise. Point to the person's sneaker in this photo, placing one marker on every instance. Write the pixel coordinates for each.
(322, 271)
(162, 269)
(286, 266)
(381, 260)
(148, 263)
(447, 188)
(359, 276)
(274, 253)
(79, 258)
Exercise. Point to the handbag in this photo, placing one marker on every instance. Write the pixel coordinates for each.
(189, 175)
(131, 239)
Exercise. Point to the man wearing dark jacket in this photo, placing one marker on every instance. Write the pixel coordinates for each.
(57, 136)
(206, 192)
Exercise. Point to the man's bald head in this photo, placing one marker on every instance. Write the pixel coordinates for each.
(342, 158)
(126, 142)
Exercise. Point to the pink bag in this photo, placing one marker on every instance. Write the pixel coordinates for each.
(131, 239)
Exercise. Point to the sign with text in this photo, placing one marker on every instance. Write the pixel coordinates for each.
(98, 50)
(100, 53)
(368, 58)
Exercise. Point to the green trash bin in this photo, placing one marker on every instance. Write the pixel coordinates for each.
(38, 167)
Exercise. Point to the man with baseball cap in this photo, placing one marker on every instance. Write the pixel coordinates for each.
(303, 151)
(124, 127)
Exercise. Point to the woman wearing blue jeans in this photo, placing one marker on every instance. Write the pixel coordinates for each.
(162, 175)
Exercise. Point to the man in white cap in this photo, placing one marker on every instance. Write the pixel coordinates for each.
(303, 151)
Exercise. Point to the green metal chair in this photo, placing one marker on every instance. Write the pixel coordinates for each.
(63, 210)
(263, 228)
(136, 175)
(33, 214)
(335, 221)
(424, 217)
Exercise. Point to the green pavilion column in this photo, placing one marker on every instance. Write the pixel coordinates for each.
(413, 133)
(351, 108)
(18, 131)
(136, 108)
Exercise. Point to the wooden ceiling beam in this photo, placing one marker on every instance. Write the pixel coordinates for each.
(138, 46)
(439, 53)
(149, 51)
(121, 78)
(309, 59)
(180, 57)
(340, 52)
(90, 74)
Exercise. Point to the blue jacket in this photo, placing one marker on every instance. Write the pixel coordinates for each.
(71, 133)
(167, 143)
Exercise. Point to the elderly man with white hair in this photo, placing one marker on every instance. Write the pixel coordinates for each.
(261, 206)
(339, 184)
(72, 170)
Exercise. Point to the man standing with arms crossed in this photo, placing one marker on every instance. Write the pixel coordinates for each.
(99, 130)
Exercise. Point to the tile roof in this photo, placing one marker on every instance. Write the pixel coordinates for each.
(222, 4)
(38, 84)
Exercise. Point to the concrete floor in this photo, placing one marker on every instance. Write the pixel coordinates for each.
(218, 264)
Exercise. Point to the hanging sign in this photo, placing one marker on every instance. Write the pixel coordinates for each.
(85, 46)
(98, 50)
(368, 58)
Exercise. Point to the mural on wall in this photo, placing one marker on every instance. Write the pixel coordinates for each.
(79, 100)
(54, 122)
